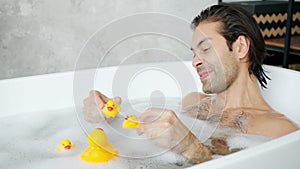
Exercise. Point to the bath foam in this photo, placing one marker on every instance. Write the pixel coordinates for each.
(29, 140)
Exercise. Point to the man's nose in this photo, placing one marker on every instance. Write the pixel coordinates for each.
(197, 61)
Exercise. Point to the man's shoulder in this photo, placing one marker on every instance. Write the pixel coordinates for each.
(273, 124)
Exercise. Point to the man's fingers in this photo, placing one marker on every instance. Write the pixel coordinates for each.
(159, 125)
(117, 100)
(91, 117)
(151, 115)
(155, 133)
(99, 102)
(153, 118)
(149, 127)
(94, 92)
(103, 98)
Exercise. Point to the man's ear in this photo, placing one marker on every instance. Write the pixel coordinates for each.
(242, 46)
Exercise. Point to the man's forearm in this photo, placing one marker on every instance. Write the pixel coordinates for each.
(194, 150)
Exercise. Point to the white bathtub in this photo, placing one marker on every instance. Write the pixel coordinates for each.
(60, 93)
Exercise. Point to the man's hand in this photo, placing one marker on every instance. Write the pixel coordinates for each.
(94, 104)
(167, 131)
(163, 127)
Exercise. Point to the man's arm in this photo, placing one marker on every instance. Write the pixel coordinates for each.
(166, 130)
(194, 150)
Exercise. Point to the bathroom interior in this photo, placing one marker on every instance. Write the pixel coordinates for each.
(53, 52)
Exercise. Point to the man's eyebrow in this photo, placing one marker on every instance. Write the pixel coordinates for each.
(192, 49)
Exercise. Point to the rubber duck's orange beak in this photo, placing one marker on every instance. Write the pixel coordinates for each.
(68, 147)
(110, 108)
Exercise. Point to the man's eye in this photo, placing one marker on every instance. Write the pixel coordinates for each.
(205, 50)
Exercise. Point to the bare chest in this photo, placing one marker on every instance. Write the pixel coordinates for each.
(238, 119)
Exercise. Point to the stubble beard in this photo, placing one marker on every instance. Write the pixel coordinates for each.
(220, 80)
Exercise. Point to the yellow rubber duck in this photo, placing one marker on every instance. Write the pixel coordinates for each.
(111, 109)
(131, 122)
(65, 145)
(99, 150)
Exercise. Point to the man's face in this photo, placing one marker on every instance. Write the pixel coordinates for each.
(215, 64)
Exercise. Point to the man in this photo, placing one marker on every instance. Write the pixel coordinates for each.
(229, 51)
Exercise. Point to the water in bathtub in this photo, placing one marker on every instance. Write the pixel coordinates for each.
(28, 140)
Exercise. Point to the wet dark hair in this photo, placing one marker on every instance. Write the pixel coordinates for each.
(237, 21)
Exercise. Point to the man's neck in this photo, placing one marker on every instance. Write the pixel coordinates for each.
(244, 92)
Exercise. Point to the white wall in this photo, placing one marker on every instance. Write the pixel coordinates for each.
(44, 36)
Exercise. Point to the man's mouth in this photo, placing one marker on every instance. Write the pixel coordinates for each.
(204, 74)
